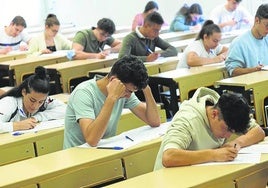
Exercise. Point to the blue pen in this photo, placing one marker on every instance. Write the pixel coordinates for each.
(114, 148)
(127, 137)
(17, 133)
(149, 50)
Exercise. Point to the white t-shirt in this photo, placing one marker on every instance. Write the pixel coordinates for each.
(14, 42)
(197, 46)
(221, 15)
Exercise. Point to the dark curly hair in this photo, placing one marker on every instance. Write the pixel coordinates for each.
(234, 111)
(130, 69)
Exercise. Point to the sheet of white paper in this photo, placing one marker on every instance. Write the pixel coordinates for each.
(141, 134)
(43, 126)
(256, 148)
(242, 158)
(56, 53)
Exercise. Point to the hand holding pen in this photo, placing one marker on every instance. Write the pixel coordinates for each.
(152, 55)
(102, 54)
(259, 66)
(26, 124)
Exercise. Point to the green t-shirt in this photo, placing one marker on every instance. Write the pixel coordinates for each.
(86, 101)
(87, 39)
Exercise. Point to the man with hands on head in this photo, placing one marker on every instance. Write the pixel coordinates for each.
(143, 41)
(95, 106)
(200, 129)
(90, 43)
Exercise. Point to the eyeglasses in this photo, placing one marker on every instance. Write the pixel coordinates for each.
(130, 90)
(104, 34)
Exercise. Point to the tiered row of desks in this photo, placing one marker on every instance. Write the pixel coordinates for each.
(42, 165)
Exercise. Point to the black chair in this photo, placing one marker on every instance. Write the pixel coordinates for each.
(75, 81)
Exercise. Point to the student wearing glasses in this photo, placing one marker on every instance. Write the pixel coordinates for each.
(248, 52)
(22, 107)
(50, 40)
(199, 131)
(90, 43)
(13, 36)
(143, 41)
(95, 106)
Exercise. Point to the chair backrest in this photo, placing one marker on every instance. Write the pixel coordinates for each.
(73, 82)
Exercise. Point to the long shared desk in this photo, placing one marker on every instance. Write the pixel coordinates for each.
(18, 68)
(161, 65)
(12, 56)
(187, 80)
(62, 73)
(215, 176)
(76, 167)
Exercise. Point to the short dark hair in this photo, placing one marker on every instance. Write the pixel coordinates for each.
(106, 25)
(19, 20)
(262, 11)
(235, 111)
(208, 29)
(150, 5)
(154, 18)
(130, 69)
(38, 82)
(238, 1)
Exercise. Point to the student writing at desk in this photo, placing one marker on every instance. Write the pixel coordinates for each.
(95, 106)
(188, 18)
(206, 49)
(143, 41)
(231, 16)
(50, 40)
(248, 52)
(199, 130)
(138, 20)
(24, 106)
(12, 35)
(89, 43)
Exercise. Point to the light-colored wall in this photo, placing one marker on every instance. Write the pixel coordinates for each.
(88, 12)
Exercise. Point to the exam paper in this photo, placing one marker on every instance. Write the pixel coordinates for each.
(43, 126)
(242, 158)
(138, 135)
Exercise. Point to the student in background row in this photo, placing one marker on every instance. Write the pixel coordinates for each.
(22, 107)
(248, 52)
(231, 16)
(50, 40)
(199, 130)
(95, 106)
(13, 35)
(90, 43)
(188, 18)
(143, 41)
(206, 49)
(150, 7)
